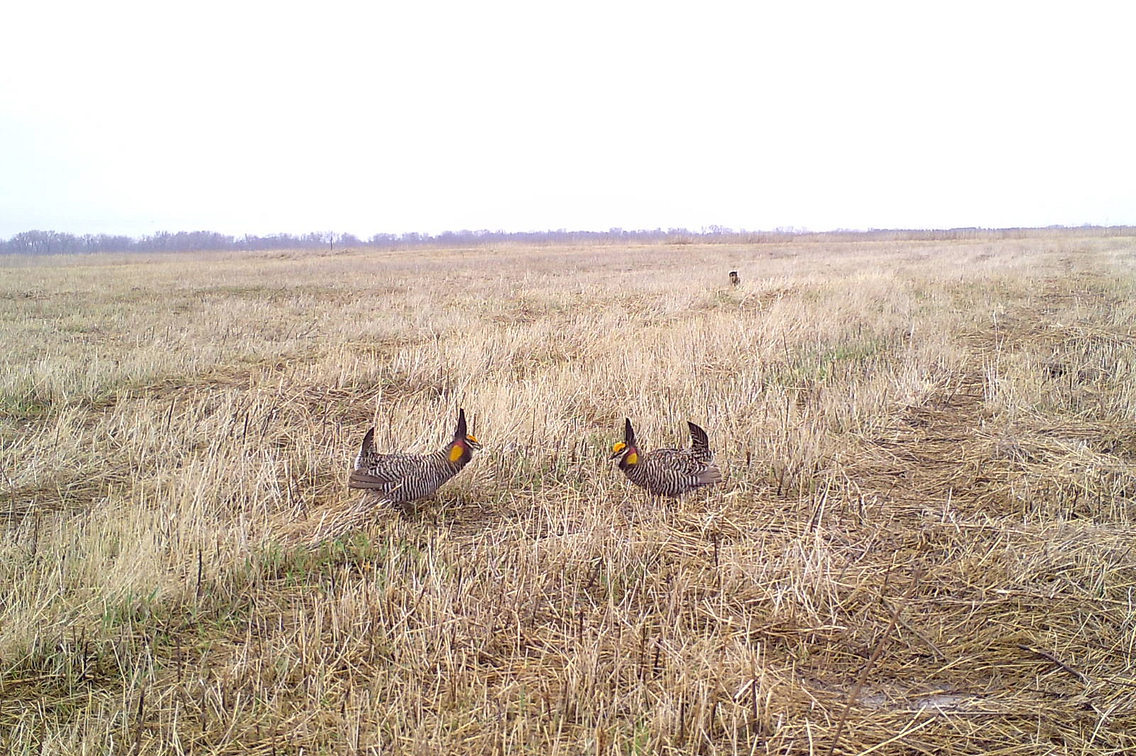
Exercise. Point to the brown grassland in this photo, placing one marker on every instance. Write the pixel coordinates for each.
(923, 543)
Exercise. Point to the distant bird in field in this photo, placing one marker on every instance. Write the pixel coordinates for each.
(402, 478)
(668, 472)
(734, 279)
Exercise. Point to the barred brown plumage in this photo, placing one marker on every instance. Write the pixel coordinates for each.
(402, 478)
(668, 472)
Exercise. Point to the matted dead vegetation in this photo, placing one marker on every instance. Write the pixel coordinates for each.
(924, 543)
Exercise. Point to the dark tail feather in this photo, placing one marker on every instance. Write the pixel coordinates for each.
(368, 443)
(366, 482)
(698, 438)
(628, 432)
(461, 431)
(710, 476)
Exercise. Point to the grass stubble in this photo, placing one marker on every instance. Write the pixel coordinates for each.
(924, 540)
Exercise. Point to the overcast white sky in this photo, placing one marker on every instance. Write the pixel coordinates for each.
(263, 117)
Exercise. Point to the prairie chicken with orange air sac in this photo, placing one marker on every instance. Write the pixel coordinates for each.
(668, 472)
(402, 478)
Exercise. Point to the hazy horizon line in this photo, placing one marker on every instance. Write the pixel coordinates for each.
(705, 231)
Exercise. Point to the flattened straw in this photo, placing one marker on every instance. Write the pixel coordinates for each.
(872, 660)
(1050, 657)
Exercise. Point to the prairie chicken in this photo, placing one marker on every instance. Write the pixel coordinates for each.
(668, 472)
(402, 478)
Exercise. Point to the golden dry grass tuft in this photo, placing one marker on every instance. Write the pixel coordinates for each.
(924, 543)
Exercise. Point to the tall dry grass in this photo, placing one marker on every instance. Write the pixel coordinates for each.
(925, 530)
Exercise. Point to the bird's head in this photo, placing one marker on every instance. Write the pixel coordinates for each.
(464, 444)
(626, 451)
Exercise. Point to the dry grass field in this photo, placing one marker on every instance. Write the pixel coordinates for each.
(923, 543)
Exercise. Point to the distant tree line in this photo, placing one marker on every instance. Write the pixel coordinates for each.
(55, 243)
